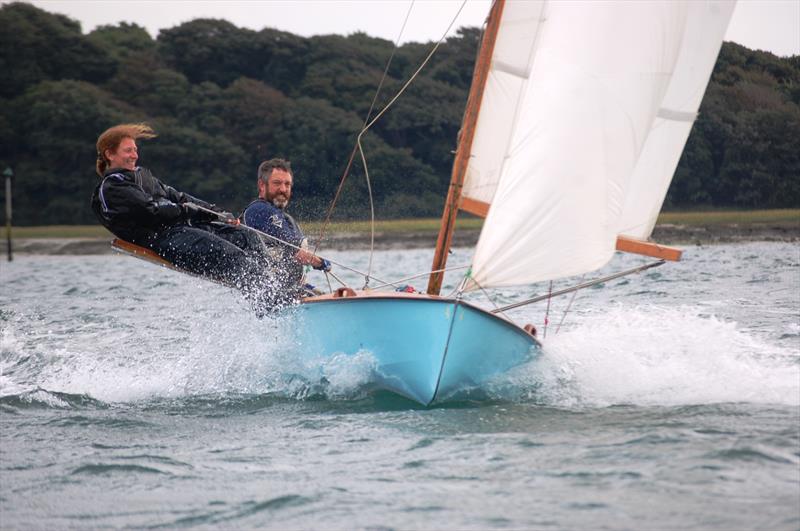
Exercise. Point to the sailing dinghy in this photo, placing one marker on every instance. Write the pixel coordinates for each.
(575, 123)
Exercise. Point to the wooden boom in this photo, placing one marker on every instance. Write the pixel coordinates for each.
(625, 244)
(632, 245)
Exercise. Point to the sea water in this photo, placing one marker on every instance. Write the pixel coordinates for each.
(134, 396)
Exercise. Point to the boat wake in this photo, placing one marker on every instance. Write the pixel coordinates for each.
(650, 355)
(641, 356)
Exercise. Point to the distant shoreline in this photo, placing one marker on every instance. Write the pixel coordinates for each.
(668, 234)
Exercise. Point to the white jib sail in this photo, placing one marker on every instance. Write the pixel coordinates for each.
(564, 149)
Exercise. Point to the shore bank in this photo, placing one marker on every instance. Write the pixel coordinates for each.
(668, 234)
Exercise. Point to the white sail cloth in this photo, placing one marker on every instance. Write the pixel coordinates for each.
(583, 120)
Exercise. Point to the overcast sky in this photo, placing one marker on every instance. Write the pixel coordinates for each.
(772, 25)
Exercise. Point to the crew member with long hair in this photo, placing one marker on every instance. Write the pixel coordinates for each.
(137, 207)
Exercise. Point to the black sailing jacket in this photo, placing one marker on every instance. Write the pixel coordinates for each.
(135, 206)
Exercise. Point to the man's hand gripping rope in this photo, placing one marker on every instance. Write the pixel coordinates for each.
(325, 265)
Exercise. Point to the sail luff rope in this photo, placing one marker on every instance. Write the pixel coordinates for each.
(366, 120)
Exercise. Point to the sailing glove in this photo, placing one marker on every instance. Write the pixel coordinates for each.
(325, 265)
(223, 215)
(194, 213)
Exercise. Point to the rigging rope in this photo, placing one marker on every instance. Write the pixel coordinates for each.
(426, 273)
(368, 125)
(366, 121)
(223, 219)
(496, 307)
(547, 311)
(571, 300)
(463, 285)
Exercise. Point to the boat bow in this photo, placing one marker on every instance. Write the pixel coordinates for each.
(425, 348)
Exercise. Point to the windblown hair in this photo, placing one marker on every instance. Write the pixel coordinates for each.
(266, 167)
(112, 137)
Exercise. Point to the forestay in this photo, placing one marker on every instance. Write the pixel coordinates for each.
(585, 113)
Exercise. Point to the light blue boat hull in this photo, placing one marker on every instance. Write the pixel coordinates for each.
(427, 349)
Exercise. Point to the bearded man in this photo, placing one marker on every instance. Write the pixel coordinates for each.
(268, 215)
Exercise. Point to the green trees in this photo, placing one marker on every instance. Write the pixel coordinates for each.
(37, 46)
(224, 98)
(210, 50)
(743, 150)
(53, 162)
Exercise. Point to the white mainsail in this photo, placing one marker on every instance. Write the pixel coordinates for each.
(584, 116)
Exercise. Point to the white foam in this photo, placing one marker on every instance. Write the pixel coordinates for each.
(10, 346)
(253, 357)
(8, 387)
(660, 356)
(347, 374)
(644, 355)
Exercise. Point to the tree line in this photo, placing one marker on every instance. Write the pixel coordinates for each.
(223, 98)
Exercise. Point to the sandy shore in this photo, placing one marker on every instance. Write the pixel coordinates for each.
(666, 234)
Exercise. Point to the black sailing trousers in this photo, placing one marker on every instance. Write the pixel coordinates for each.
(230, 255)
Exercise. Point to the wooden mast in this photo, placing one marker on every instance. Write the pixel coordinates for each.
(452, 203)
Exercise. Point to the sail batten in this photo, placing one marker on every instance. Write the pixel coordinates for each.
(586, 109)
(515, 71)
(677, 116)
